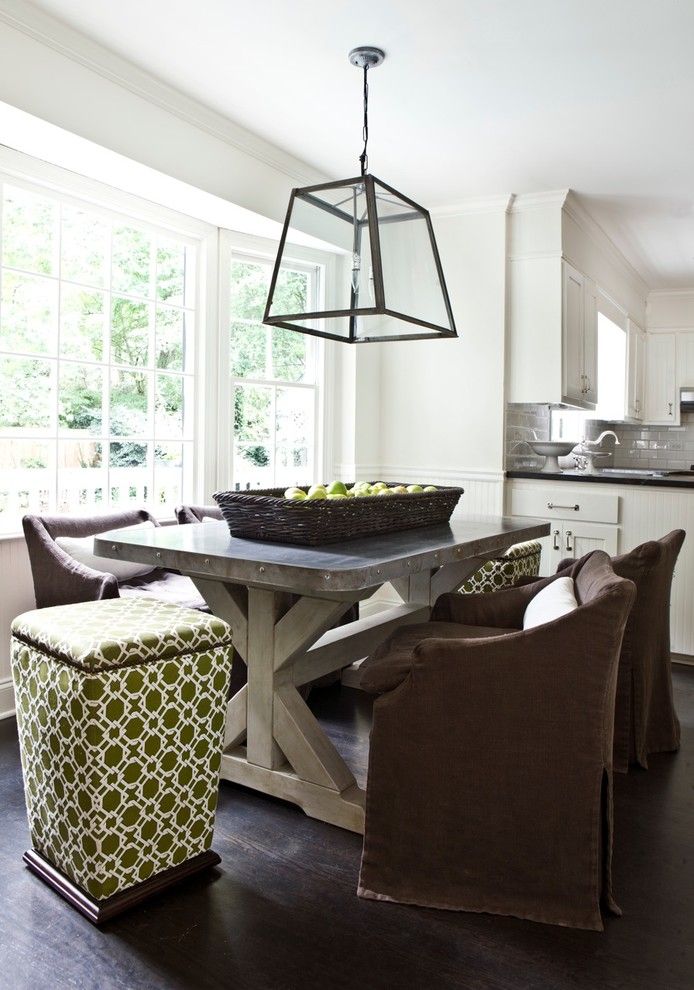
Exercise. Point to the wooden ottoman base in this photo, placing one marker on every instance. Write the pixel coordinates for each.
(100, 911)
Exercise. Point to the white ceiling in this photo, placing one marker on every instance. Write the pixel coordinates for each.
(476, 97)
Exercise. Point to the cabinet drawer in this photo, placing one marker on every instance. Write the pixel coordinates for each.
(559, 503)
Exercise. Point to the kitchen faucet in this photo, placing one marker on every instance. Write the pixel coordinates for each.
(596, 443)
(587, 450)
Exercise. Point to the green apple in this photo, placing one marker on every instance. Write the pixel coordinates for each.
(337, 488)
(415, 488)
(317, 488)
(385, 491)
(430, 488)
(379, 485)
(399, 490)
(295, 494)
(335, 495)
(316, 493)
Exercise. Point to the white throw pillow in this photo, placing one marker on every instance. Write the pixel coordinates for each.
(557, 599)
(81, 549)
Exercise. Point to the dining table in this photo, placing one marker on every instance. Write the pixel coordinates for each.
(282, 603)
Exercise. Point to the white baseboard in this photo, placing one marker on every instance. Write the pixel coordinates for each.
(6, 698)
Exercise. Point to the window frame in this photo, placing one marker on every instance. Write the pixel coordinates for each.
(234, 245)
(98, 199)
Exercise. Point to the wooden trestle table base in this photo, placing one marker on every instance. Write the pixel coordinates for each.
(273, 743)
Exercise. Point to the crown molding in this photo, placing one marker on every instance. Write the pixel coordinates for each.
(52, 33)
(574, 209)
(671, 292)
(474, 204)
(539, 200)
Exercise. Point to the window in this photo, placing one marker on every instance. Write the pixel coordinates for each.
(612, 369)
(96, 357)
(274, 379)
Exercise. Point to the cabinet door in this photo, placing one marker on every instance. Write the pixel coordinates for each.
(580, 538)
(573, 314)
(590, 342)
(636, 347)
(685, 359)
(662, 404)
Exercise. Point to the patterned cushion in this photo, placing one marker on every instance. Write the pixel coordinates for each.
(119, 632)
(521, 560)
(120, 736)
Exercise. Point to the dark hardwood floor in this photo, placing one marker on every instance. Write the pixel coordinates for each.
(282, 913)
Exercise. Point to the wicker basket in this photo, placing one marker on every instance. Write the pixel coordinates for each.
(265, 514)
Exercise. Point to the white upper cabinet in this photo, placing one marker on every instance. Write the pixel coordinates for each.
(636, 372)
(552, 344)
(579, 339)
(662, 394)
(685, 359)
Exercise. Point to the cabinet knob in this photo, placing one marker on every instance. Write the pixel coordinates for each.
(669, 406)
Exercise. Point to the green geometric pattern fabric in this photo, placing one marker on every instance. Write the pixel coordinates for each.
(119, 631)
(521, 560)
(121, 765)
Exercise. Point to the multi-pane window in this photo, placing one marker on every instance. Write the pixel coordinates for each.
(274, 380)
(96, 358)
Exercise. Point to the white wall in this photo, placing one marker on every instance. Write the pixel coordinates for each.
(670, 310)
(58, 75)
(587, 247)
(16, 596)
(442, 401)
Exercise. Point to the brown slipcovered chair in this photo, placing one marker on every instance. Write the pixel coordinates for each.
(645, 717)
(196, 513)
(490, 769)
(61, 580)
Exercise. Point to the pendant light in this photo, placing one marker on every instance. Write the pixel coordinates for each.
(385, 279)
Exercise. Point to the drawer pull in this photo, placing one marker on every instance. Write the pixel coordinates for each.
(569, 547)
(555, 540)
(573, 508)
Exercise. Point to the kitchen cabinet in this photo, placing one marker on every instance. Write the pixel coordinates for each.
(581, 518)
(579, 338)
(614, 518)
(685, 359)
(573, 538)
(636, 372)
(662, 394)
(552, 343)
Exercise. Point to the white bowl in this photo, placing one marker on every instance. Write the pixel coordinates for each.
(553, 448)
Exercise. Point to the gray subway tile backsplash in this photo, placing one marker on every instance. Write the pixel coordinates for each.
(661, 447)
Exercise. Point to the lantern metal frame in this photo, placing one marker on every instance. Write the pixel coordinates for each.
(364, 57)
(372, 221)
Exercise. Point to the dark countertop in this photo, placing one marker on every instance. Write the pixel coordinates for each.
(606, 479)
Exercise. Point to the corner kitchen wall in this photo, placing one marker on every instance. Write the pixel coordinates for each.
(442, 401)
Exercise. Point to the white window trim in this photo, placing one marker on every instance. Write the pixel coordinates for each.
(234, 243)
(30, 173)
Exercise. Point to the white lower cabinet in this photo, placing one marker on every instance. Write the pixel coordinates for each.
(573, 538)
(615, 518)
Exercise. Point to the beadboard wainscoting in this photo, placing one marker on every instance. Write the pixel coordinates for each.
(17, 597)
(484, 496)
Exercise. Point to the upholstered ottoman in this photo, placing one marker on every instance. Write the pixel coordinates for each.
(121, 709)
(519, 561)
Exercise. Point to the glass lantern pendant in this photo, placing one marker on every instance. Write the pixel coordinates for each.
(384, 277)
